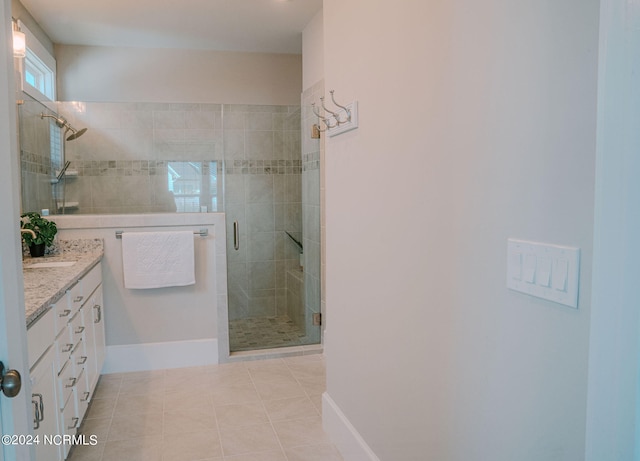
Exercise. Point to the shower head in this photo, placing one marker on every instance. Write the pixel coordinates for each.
(75, 134)
(62, 123)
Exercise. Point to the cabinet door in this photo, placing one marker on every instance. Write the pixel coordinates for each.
(97, 308)
(44, 406)
(88, 360)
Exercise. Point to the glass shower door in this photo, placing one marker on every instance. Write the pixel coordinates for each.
(263, 206)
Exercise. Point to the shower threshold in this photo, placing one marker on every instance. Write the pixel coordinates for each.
(276, 353)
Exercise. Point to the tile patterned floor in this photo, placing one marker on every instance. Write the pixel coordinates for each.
(266, 410)
(264, 333)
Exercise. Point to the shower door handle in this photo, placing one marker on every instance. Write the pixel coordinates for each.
(236, 236)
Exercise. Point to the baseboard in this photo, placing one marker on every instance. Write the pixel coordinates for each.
(158, 356)
(342, 433)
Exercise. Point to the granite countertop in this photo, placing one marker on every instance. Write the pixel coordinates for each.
(44, 286)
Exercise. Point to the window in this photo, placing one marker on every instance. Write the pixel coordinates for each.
(38, 75)
(38, 69)
(193, 185)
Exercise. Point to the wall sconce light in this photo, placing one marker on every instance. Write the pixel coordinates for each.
(19, 41)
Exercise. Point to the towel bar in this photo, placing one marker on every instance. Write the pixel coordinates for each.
(201, 233)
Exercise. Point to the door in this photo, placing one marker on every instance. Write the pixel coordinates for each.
(273, 247)
(15, 412)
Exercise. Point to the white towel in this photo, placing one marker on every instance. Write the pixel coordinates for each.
(158, 259)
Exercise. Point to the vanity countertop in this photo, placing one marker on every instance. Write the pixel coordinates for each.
(44, 286)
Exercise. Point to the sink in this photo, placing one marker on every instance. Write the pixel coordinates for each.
(50, 264)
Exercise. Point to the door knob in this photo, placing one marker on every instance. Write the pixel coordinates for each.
(10, 381)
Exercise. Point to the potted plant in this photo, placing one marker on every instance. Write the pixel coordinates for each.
(45, 231)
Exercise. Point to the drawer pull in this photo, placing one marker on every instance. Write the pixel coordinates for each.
(82, 360)
(41, 407)
(79, 330)
(86, 397)
(65, 313)
(77, 299)
(36, 416)
(74, 423)
(38, 410)
(99, 308)
(67, 348)
(236, 236)
(72, 382)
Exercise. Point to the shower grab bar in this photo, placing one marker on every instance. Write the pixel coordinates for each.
(236, 236)
(201, 233)
(296, 241)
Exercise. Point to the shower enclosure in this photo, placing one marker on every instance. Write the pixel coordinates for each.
(243, 160)
(265, 251)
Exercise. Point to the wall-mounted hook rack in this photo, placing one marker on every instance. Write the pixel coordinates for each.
(337, 121)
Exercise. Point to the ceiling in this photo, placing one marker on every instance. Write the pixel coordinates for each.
(265, 26)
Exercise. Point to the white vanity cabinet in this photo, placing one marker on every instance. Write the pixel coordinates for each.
(74, 329)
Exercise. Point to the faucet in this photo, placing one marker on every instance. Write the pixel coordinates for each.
(29, 231)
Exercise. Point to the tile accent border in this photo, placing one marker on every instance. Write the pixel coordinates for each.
(31, 162)
(159, 167)
(280, 166)
(311, 161)
(129, 167)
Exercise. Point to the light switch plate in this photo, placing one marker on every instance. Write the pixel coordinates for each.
(543, 270)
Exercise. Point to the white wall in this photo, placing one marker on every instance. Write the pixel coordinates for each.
(88, 73)
(313, 51)
(613, 415)
(176, 314)
(18, 11)
(477, 123)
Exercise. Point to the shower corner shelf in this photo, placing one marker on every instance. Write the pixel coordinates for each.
(68, 205)
(68, 174)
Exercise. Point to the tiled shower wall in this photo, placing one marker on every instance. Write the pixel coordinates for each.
(122, 161)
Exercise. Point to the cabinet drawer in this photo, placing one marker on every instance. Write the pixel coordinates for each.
(91, 280)
(66, 382)
(40, 336)
(63, 347)
(69, 421)
(83, 393)
(65, 308)
(76, 328)
(75, 297)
